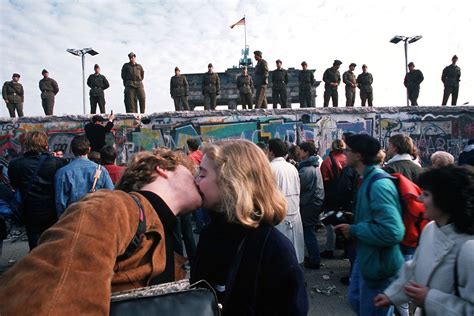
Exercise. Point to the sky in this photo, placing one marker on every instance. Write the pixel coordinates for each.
(35, 34)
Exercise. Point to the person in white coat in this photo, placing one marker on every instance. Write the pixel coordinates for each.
(440, 278)
(288, 182)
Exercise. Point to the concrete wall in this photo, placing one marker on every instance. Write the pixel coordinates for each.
(432, 128)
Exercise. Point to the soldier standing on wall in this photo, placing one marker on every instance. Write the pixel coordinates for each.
(210, 88)
(261, 80)
(49, 88)
(364, 82)
(132, 76)
(279, 80)
(244, 85)
(412, 83)
(13, 94)
(451, 77)
(306, 80)
(179, 91)
(98, 83)
(332, 79)
(349, 79)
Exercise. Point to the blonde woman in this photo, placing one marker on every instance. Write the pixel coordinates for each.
(252, 266)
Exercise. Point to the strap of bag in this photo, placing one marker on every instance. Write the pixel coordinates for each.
(335, 172)
(456, 276)
(33, 178)
(98, 171)
(141, 229)
(376, 177)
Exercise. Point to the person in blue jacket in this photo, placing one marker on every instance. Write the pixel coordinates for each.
(378, 229)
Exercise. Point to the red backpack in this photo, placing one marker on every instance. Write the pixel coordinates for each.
(413, 211)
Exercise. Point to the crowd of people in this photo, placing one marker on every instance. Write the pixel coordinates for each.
(257, 210)
(134, 92)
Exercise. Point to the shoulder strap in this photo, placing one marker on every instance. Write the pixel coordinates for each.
(98, 171)
(141, 229)
(456, 276)
(34, 177)
(335, 172)
(376, 177)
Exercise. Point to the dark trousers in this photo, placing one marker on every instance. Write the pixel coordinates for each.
(366, 97)
(15, 106)
(184, 233)
(131, 95)
(413, 94)
(350, 96)
(97, 100)
(279, 96)
(210, 100)
(261, 97)
(48, 105)
(305, 98)
(311, 242)
(330, 94)
(181, 103)
(33, 235)
(453, 91)
(246, 100)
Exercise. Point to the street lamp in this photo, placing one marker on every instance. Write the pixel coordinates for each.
(82, 53)
(408, 40)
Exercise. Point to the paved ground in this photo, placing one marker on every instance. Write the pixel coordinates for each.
(327, 296)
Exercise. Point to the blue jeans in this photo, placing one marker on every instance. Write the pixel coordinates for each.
(361, 297)
(311, 242)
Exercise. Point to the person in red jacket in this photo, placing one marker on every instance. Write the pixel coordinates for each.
(331, 170)
(108, 154)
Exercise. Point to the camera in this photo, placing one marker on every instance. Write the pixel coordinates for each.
(334, 218)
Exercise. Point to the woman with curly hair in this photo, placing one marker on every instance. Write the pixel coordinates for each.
(440, 278)
(250, 264)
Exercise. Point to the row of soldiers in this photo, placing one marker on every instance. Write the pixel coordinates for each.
(134, 93)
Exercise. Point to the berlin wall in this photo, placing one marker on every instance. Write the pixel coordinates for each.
(432, 128)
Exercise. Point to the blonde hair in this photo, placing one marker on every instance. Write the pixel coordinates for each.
(338, 145)
(250, 196)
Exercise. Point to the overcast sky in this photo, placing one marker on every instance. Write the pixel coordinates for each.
(35, 35)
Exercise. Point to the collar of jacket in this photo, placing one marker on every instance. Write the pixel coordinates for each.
(310, 161)
(167, 217)
(402, 157)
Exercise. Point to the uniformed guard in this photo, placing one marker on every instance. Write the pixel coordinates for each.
(349, 79)
(13, 95)
(244, 85)
(98, 83)
(279, 80)
(179, 91)
(332, 79)
(49, 88)
(451, 77)
(306, 81)
(364, 83)
(412, 82)
(132, 76)
(210, 88)
(260, 80)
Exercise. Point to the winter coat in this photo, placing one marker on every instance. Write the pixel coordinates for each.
(433, 266)
(312, 190)
(405, 165)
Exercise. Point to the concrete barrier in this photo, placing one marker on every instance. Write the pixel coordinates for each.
(432, 128)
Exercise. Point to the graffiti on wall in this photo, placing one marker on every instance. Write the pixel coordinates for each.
(449, 130)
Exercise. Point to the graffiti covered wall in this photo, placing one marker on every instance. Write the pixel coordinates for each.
(432, 128)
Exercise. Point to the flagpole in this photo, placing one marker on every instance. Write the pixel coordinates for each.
(245, 31)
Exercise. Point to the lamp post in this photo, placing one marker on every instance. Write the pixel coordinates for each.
(82, 53)
(407, 40)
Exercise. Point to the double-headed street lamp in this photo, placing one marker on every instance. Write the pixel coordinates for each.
(82, 53)
(408, 40)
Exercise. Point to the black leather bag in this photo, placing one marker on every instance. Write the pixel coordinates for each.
(175, 298)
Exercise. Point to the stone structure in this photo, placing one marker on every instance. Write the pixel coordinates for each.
(432, 128)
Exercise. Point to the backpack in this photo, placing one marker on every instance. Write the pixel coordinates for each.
(413, 211)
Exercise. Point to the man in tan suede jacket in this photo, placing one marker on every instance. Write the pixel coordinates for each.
(80, 260)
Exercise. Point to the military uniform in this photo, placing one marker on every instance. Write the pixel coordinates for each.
(49, 88)
(412, 83)
(451, 77)
(13, 94)
(244, 85)
(261, 82)
(132, 76)
(329, 76)
(280, 80)
(98, 83)
(364, 82)
(349, 79)
(306, 80)
(179, 92)
(210, 90)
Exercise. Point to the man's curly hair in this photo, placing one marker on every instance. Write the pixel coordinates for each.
(452, 188)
